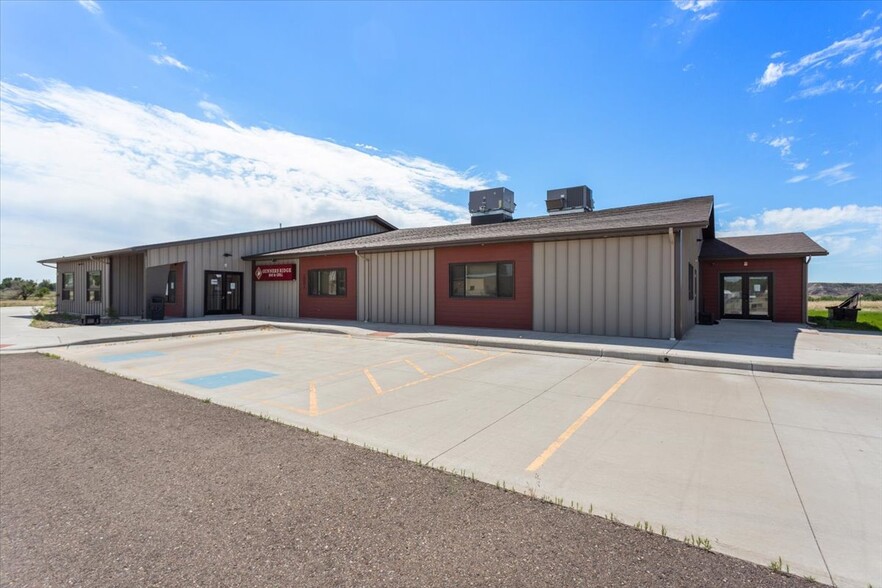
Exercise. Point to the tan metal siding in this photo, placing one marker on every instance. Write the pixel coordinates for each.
(79, 305)
(397, 287)
(208, 256)
(127, 275)
(616, 286)
(278, 298)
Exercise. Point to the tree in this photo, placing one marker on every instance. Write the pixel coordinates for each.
(23, 288)
(47, 284)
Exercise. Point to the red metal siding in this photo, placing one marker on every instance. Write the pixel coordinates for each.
(329, 307)
(787, 284)
(507, 313)
(179, 307)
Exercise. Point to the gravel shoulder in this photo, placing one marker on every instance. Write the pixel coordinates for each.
(110, 482)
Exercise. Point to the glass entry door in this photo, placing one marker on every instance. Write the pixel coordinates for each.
(223, 292)
(746, 296)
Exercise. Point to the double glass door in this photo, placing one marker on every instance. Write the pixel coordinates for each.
(223, 292)
(746, 296)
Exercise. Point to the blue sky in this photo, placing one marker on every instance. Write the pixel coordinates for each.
(126, 123)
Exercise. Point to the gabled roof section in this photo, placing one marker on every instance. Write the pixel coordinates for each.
(140, 248)
(779, 245)
(629, 220)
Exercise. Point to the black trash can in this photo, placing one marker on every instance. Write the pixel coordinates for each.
(156, 308)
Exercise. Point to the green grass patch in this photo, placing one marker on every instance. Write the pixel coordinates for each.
(867, 320)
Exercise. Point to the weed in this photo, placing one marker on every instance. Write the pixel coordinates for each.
(53, 356)
(206, 400)
(612, 517)
(664, 531)
(698, 541)
(811, 579)
(590, 509)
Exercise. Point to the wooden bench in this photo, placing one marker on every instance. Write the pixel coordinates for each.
(91, 319)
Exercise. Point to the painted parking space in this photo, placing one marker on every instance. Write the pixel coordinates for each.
(232, 378)
(120, 357)
(723, 455)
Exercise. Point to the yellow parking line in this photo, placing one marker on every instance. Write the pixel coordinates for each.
(416, 367)
(537, 463)
(415, 382)
(450, 357)
(373, 381)
(313, 400)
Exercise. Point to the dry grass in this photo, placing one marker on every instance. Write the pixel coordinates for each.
(865, 304)
(30, 302)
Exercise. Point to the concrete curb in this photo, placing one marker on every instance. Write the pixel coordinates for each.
(149, 336)
(660, 357)
(571, 348)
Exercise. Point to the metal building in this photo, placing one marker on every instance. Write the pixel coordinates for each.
(190, 278)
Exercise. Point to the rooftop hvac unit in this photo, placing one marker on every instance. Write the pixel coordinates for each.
(491, 206)
(575, 199)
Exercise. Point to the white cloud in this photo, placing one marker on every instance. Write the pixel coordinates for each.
(211, 110)
(688, 66)
(797, 179)
(366, 147)
(146, 174)
(168, 60)
(800, 165)
(866, 13)
(694, 5)
(90, 5)
(777, 55)
(826, 88)
(699, 9)
(788, 220)
(837, 174)
(877, 89)
(752, 137)
(501, 177)
(783, 144)
(849, 50)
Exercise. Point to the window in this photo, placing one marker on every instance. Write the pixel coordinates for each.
(327, 282)
(170, 286)
(67, 286)
(482, 280)
(691, 282)
(93, 283)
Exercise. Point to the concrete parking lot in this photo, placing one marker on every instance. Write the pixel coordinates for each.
(762, 466)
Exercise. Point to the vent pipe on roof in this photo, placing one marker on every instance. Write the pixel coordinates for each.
(494, 205)
(566, 200)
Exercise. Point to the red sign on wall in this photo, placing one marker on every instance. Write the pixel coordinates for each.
(267, 273)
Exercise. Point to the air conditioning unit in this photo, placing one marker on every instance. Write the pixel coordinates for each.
(575, 199)
(491, 206)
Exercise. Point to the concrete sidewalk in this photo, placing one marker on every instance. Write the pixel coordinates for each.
(746, 345)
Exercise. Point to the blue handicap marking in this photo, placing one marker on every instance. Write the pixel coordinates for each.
(229, 378)
(130, 356)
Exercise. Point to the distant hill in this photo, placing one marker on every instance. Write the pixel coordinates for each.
(842, 289)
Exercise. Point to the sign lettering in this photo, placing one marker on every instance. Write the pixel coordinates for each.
(269, 273)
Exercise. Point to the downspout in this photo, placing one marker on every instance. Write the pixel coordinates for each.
(367, 287)
(808, 260)
(673, 279)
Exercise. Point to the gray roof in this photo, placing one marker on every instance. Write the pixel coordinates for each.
(141, 248)
(640, 219)
(780, 245)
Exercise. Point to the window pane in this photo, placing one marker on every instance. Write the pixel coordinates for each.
(313, 283)
(170, 286)
(505, 280)
(94, 279)
(341, 282)
(481, 279)
(93, 295)
(332, 283)
(732, 295)
(68, 281)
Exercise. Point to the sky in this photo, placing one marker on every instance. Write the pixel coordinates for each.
(127, 123)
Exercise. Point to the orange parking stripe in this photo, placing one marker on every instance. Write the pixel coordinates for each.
(537, 463)
(373, 381)
(313, 400)
(416, 367)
